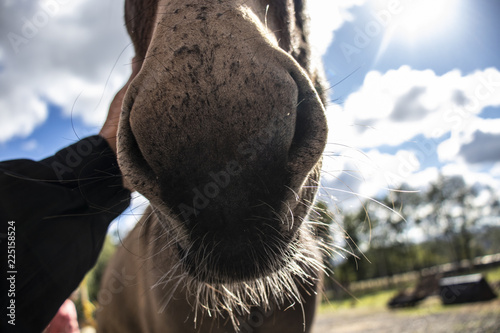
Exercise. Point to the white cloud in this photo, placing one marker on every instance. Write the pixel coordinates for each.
(396, 106)
(387, 171)
(20, 112)
(495, 170)
(393, 108)
(470, 175)
(351, 172)
(422, 179)
(359, 176)
(478, 142)
(326, 18)
(61, 52)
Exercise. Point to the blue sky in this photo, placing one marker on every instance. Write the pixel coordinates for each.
(469, 42)
(56, 132)
(418, 65)
(422, 98)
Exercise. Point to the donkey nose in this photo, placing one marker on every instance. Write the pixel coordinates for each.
(310, 134)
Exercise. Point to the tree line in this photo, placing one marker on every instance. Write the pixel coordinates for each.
(408, 230)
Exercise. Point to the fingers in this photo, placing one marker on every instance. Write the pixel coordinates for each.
(110, 127)
(136, 67)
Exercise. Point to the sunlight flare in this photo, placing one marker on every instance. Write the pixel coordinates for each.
(417, 21)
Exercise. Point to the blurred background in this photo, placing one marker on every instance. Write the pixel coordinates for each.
(411, 173)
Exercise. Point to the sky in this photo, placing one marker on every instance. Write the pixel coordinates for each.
(414, 87)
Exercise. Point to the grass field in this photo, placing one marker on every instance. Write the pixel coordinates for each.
(369, 313)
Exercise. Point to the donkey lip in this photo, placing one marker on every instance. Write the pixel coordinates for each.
(181, 251)
(192, 269)
(226, 264)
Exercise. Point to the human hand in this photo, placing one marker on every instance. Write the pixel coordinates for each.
(110, 127)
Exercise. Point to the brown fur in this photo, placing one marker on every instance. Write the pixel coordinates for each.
(223, 131)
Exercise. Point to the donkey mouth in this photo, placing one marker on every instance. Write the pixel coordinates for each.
(217, 262)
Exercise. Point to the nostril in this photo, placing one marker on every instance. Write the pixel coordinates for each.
(310, 133)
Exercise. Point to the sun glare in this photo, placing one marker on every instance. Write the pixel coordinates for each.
(424, 17)
(415, 21)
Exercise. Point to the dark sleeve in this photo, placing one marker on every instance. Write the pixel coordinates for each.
(58, 211)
